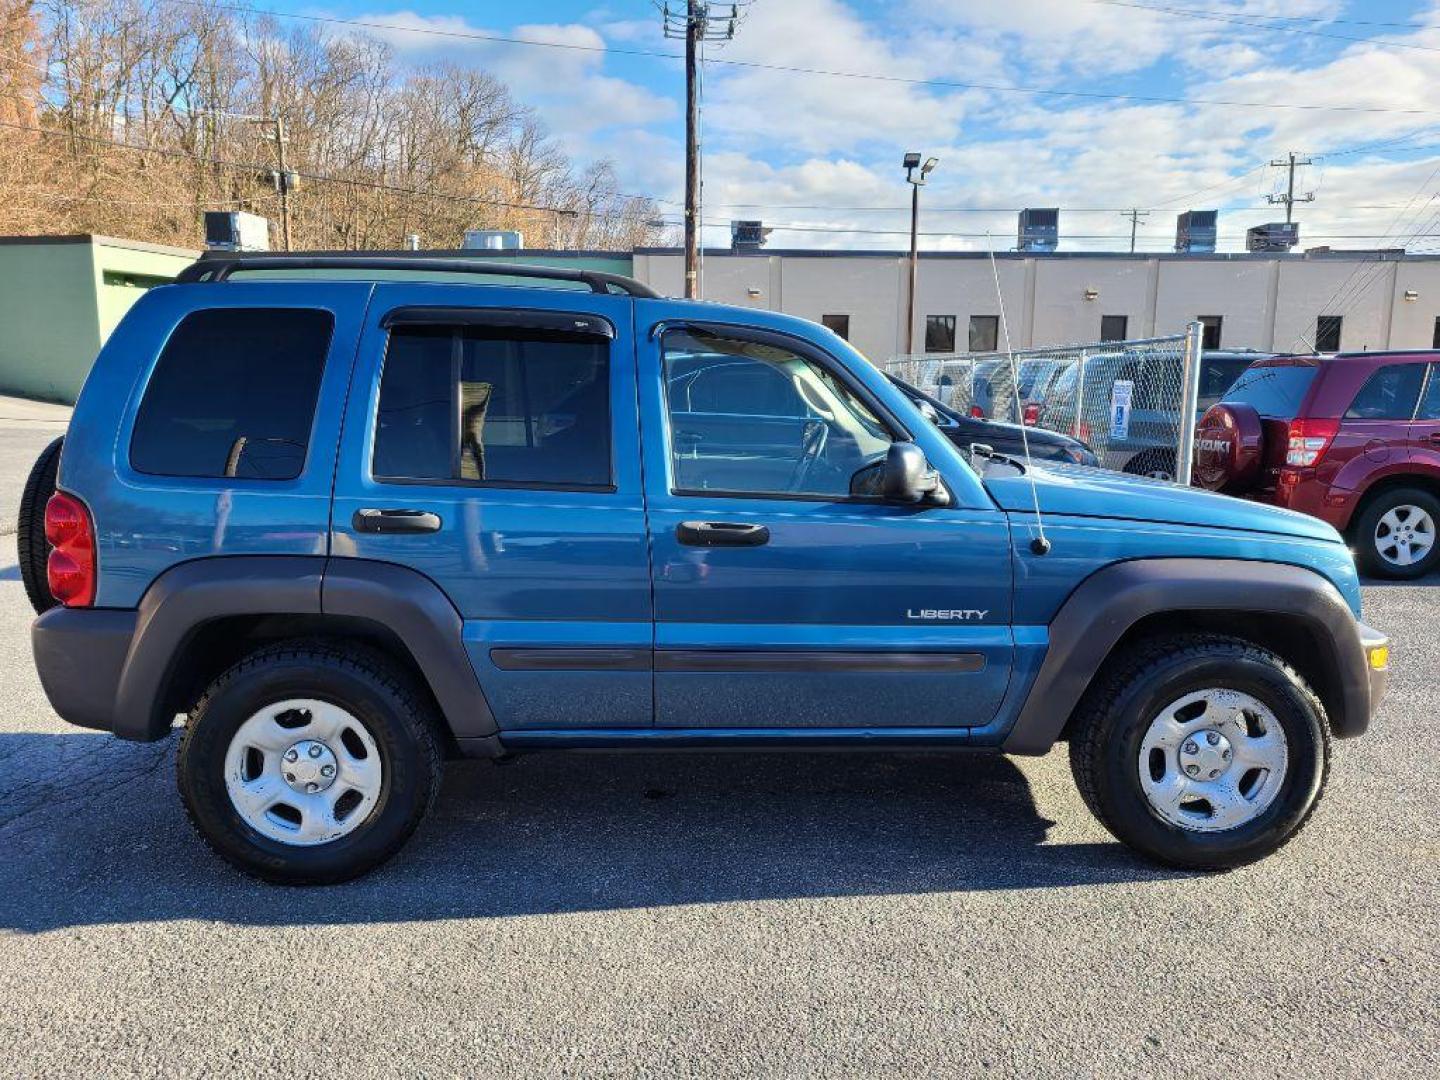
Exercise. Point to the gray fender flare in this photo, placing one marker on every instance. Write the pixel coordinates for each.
(402, 600)
(1112, 600)
(182, 599)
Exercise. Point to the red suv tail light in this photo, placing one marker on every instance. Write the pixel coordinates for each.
(977, 412)
(1031, 415)
(1309, 439)
(70, 571)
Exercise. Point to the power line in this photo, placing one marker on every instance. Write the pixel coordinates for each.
(941, 84)
(256, 167)
(1243, 20)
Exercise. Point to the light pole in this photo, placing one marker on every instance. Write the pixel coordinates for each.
(912, 163)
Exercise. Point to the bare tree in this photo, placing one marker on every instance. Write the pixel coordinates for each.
(161, 110)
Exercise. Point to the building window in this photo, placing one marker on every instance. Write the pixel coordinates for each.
(940, 333)
(984, 333)
(839, 324)
(1327, 333)
(1210, 336)
(1114, 327)
(499, 405)
(233, 395)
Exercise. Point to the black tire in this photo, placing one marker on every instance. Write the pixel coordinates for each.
(1152, 462)
(1134, 688)
(382, 699)
(1368, 551)
(33, 549)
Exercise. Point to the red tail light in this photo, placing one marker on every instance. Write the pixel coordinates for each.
(977, 412)
(70, 571)
(1031, 415)
(1084, 432)
(1309, 439)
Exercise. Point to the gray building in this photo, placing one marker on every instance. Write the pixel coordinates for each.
(1332, 300)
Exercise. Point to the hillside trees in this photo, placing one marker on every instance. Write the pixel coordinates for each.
(156, 110)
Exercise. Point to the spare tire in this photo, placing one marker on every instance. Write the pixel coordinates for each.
(34, 549)
(1229, 445)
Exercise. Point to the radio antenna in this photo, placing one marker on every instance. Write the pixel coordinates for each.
(1039, 544)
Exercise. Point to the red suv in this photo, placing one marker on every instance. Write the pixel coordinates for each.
(1353, 439)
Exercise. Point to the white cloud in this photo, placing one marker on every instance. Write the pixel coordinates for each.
(566, 85)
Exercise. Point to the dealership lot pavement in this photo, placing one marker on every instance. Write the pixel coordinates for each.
(725, 915)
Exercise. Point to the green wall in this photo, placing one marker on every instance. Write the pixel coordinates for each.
(59, 299)
(49, 325)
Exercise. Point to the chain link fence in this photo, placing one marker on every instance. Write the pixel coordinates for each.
(1124, 399)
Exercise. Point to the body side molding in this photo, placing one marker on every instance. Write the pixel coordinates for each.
(1099, 612)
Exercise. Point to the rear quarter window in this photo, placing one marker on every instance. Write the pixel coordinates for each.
(233, 395)
(1273, 391)
(1388, 394)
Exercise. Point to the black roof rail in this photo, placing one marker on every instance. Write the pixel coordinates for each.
(220, 265)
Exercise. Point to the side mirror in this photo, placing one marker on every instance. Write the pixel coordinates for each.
(909, 479)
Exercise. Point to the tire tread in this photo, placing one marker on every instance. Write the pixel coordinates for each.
(1135, 664)
(368, 663)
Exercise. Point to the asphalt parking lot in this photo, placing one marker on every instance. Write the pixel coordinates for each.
(727, 915)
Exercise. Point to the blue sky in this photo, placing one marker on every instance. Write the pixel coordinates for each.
(821, 153)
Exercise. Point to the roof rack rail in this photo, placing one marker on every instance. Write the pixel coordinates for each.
(219, 266)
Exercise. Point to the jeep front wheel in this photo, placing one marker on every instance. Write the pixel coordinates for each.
(1201, 751)
(307, 764)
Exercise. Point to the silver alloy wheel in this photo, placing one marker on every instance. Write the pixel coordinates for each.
(1213, 760)
(1404, 535)
(1159, 474)
(303, 772)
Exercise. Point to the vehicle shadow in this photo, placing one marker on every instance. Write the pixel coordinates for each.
(93, 833)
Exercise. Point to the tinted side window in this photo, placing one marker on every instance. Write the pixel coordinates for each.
(1389, 394)
(233, 394)
(494, 406)
(1218, 375)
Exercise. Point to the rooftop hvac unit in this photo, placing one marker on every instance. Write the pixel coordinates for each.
(747, 236)
(1276, 236)
(235, 230)
(493, 240)
(1195, 231)
(1039, 229)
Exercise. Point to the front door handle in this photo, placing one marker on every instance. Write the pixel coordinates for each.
(721, 534)
(395, 521)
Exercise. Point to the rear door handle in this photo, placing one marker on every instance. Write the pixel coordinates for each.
(395, 521)
(721, 534)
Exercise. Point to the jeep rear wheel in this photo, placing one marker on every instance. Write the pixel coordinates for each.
(1201, 751)
(307, 764)
(33, 550)
(1395, 535)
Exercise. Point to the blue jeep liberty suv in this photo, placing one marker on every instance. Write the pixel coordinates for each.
(338, 524)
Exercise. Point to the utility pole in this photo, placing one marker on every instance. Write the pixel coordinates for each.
(1290, 198)
(1134, 216)
(695, 26)
(282, 175)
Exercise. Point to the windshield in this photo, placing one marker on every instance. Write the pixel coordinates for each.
(1273, 391)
